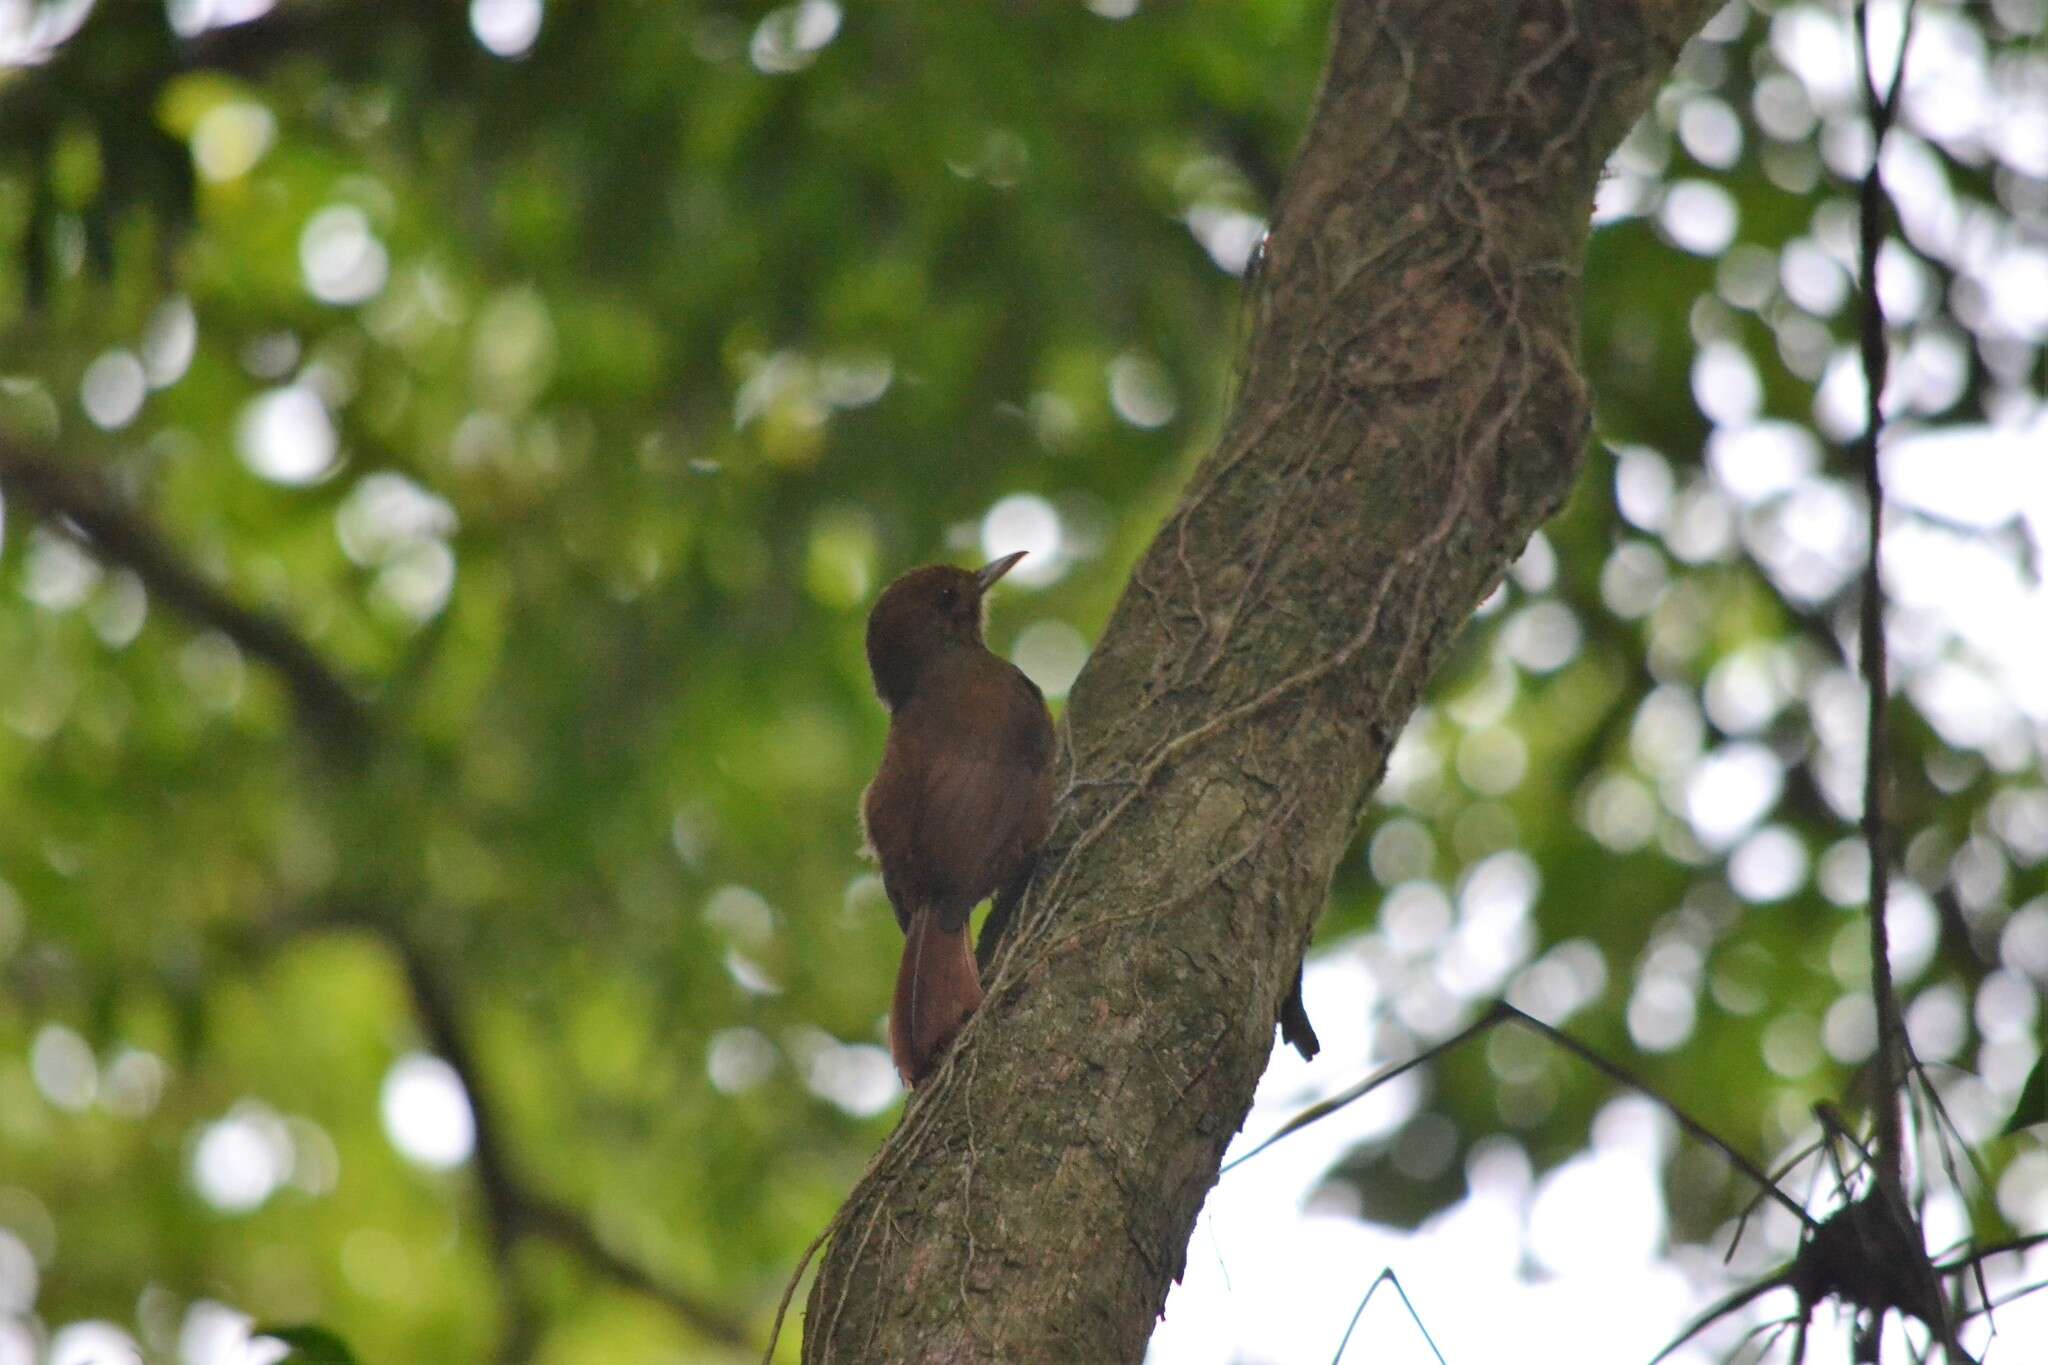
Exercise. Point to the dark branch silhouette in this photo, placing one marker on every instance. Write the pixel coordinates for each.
(1873, 217)
(514, 1210)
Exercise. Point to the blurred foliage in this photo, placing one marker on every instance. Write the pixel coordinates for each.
(572, 403)
(311, 1345)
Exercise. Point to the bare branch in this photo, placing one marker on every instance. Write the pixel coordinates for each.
(1893, 1048)
(1721, 1308)
(1979, 1255)
(1386, 1276)
(1504, 1013)
(512, 1209)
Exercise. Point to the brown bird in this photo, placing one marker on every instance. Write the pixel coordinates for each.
(963, 797)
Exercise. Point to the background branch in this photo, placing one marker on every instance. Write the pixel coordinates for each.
(82, 508)
(513, 1208)
(1893, 1049)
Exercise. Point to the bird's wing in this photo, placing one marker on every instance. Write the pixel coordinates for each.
(984, 798)
(977, 811)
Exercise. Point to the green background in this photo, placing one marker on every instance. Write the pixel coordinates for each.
(648, 356)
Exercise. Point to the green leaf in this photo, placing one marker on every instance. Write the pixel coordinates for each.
(311, 1345)
(2033, 1105)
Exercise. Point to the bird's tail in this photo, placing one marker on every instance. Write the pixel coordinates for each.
(937, 987)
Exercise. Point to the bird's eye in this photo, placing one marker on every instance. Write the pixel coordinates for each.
(948, 596)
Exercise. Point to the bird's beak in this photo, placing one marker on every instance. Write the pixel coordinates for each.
(986, 579)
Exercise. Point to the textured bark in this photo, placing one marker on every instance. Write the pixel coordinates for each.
(1410, 410)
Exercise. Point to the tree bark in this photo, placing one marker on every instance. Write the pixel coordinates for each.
(1410, 411)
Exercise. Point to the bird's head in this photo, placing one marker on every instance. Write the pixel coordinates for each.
(921, 615)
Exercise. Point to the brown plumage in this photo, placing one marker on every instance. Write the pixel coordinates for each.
(963, 797)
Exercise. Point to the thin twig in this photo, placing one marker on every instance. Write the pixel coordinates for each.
(1983, 1254)
(1501, 1012)
(1386, 1276)
(1324, 1108)
(789, 1290)
(1785, 1168)
(1990, 1306)
(1892, 1043)
(1691, 1125)
(1746, 1294)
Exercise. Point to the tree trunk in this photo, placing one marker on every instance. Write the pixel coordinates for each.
(1410, 411)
